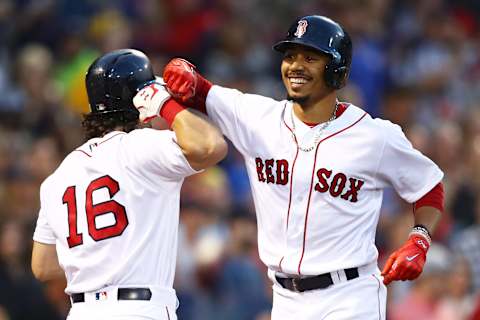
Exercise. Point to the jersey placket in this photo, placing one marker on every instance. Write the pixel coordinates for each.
(301, 187)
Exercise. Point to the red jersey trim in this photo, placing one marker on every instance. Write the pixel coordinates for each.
(89, 155)
(280, 264)
(116, 134)
(83, 152)
(291, 184)
(434, 198)
(340, 110)
(311, 187)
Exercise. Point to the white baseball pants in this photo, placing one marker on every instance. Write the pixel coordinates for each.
(101, 306)
(362, 298)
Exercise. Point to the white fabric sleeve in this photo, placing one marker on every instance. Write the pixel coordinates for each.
(156, 152)
(406, 169)
(43, 232)
(238, 114)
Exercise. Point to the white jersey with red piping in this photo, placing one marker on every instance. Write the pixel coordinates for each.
(317, 211)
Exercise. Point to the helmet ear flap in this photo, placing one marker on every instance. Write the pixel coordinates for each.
(335, 74)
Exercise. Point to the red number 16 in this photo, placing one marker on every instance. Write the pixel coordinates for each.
(95, 210)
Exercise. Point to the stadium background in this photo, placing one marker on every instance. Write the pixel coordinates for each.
(416, 63)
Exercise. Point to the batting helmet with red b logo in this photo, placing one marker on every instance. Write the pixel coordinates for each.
(327, 36)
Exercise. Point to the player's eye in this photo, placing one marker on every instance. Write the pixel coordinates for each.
(288, 56)
(310, 59)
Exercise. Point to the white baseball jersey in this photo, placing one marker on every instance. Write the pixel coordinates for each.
(112, 209)
(317, 211)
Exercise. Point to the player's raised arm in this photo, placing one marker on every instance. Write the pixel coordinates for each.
(238, 115)
(201, 142)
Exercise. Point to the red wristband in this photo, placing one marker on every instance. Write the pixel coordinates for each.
(170, 110)
(203, 87)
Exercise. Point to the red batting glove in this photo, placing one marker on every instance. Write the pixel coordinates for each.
(181, 79)
(185, 84)
(407, 262)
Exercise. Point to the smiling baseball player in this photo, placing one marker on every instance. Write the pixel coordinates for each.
(110, 211)
(317, 169)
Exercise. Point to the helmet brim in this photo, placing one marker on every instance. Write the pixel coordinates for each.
(283, 45)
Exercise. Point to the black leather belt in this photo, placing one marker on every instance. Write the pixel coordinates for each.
(122, 294)
(316, 282)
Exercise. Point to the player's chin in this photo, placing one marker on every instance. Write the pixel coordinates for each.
(298, 98)
(298, 91)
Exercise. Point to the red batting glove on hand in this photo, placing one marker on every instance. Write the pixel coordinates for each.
(185, 84)
(181, 79)
(407, 262)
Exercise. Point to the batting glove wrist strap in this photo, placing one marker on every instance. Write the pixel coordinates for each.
(421, 231)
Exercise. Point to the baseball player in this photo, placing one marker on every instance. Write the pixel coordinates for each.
(110, 210)
(317, 169)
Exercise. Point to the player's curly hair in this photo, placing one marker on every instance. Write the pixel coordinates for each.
(98, 124)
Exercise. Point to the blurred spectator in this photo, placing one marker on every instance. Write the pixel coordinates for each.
(467, 243)
(3, 314)
(18, 287)
(208, 190)
(242, 280)
(459, 302)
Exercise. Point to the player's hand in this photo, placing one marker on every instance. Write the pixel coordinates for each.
(150, 100)
(184, 83)
(181, 79)
(407, 262)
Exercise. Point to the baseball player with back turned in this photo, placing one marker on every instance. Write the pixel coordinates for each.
(317, 168)
(110, 210)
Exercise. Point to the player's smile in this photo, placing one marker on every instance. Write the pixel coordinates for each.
(298, 81)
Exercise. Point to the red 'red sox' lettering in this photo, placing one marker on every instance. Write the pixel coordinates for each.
(272, 171)
(355, 185)
(337, 184)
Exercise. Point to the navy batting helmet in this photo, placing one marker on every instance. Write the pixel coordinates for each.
(327, 36)
(115, 78)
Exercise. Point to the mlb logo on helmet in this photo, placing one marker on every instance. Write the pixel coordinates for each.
(101, 295)
(301, 28)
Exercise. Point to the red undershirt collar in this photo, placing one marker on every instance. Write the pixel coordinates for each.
(341, 109)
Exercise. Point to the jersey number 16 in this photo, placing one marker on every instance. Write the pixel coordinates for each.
(94, 210)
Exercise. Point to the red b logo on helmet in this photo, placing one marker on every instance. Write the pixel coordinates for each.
(301, 28)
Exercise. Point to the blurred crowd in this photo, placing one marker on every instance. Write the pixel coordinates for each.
(416, 63)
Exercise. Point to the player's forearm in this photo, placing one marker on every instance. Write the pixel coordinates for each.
(428, 209)
(201, 142)
(49, 273)
(45, 264)
(428, 217)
